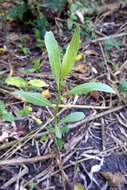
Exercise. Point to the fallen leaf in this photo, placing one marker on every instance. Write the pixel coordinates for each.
(4, 136)
(80, 15)
(114, 179)
(78, 57)
(37, 83)
(90, 52)
(2, 14)
(37, 120)
(95, 95)
(82, 68)
(78, 187)
(46, 93)
(3, 50)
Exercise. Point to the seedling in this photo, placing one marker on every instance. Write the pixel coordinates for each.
(24, 49)
(60, 71)
(123, 86)
(4, 115)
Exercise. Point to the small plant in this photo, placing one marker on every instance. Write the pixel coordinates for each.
(60, 72)
(123, 86)
(24, 49)
(21, 12)
(4, 115)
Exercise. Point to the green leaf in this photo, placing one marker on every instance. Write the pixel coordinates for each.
(70, 55)
(69, 23)
(2, 105)
(123, 86)
(64, 129)
(16, 81)
(34, 98)
(25, 111)
(76, 116)
(37, 83)
(59, 143)
(54, 4)
(58, 132)
(79, 187)
(36, 64)
(89, 87)
(8, 117)
(54, 55)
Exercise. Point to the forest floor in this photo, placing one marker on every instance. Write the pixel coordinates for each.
(95, 149)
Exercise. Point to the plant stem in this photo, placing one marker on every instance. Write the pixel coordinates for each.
(58, 100)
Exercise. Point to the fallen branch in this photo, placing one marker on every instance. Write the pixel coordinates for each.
(26, 160)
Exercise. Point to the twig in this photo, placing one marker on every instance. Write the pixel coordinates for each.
(103, 38)
(26, 160)
(83, 106)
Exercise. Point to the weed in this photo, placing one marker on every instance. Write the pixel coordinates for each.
(60, 72)
(24, 49)
(123, 86)
(4, 115)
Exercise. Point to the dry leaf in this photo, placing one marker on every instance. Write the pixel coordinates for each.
(82, 68)
(80, 16)
(46, 93)
(3, 50)
(78, 187)
(2, 14)
(13, 37)
(4, 136)
(95, 95)
(78, 57)
(37, 120)
(114, 179)
(90, 52)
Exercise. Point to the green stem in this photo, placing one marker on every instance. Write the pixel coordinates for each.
(58, 100)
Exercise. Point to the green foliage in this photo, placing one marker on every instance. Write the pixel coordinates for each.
(111, 43)
(4, 115)
(71, 15)
(21, 83)
(16, 81)
(60, 72)
(24, 49)
(33, 185)
(70, 55)
(54, 55)
(34, 98)
(76, 116)
(30, 14)
(54, 4)
(123, 86)
(25, 111)
(37, 83)
(89, 87)
(19, 12)
(36, 64)
(89, 29)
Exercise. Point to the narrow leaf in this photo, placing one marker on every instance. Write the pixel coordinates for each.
(70, 55)
(54, 55)
(34, 98)
(89, 87)
(76, 116)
